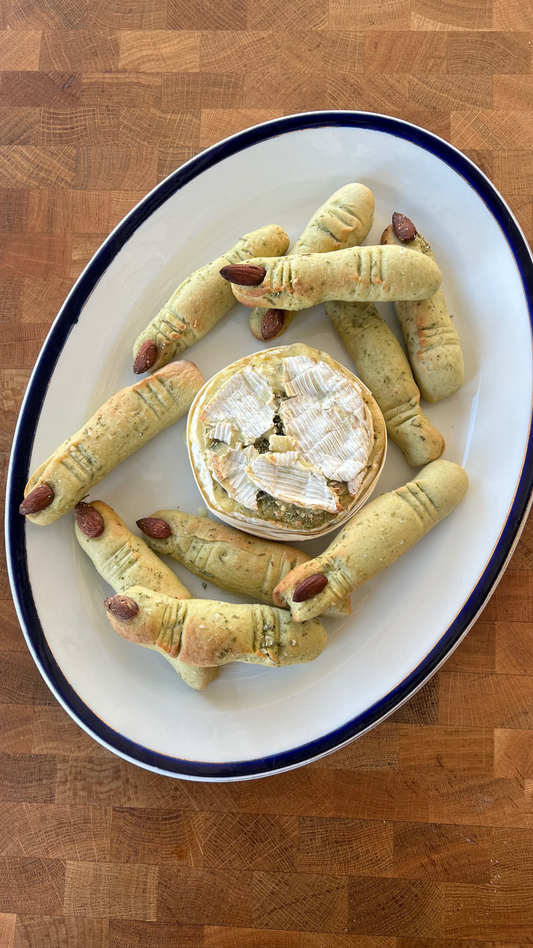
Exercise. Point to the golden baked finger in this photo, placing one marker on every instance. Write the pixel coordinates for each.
(374, 539)
(356, 275)
(205, 632)
(121, 426)
(125, 560)
(343, 221)
(383, 367)
(200, 301)
(225, 556)
(431, 339)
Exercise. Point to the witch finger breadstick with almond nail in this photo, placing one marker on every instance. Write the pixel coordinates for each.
(125, 560)
(200, 301)
(128, 420)
(431, 339)
(375, 538)
(343, 221)
(206, 632)
(356, 275)
(383, 367)
(222, 555)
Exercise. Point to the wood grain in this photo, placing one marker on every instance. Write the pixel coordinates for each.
(419, 834)
(94, 890)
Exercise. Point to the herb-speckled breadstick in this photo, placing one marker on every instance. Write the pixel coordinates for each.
(432, 341)
(383, 367)
(121, 426)
(356, 275)
(200, 301)
(225, 556)
(206, 632)
(374, 539)
(125, 560)
(343, 221)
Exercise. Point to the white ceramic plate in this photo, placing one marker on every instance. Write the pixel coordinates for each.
(254, 721)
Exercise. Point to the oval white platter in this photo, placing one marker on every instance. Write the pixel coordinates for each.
(254, 721)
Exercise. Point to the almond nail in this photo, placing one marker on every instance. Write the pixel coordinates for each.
(145, 357)
(38, 499)
(404, 229)
(310, 587)
(122, 607)
(244, 274)
(154, 527)
(273, 322)
(89, 520)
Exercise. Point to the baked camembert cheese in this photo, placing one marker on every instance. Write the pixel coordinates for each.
(286, 441)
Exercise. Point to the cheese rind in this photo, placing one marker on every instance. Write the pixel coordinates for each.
(327, 418)
(287, 479)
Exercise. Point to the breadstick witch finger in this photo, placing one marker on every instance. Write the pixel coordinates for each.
(374, 539)
(343, 221)
(222, 555)
(200, 301)
(383, 367)
(128, 420)
(356, 275)
(205, 632)
(431, 339)
(124, 560)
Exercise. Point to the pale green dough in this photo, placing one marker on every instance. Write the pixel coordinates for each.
(432, 342)
(205, 297)
(229, 558)
(206, 632)
(125, 560)
(383, 367)
(129, 419)
(356, 275)
(376, 537)
(344, 220)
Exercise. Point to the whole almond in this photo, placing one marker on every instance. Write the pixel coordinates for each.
(89, 520)
(38, 499)
(273, 322)
(244, 274)
(145, 357)
(155, 527)
(310, 587)
(122, 607)
(404, 229)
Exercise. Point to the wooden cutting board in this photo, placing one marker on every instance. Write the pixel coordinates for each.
(419, 835)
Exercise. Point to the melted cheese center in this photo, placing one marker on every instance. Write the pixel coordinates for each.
(326, 441)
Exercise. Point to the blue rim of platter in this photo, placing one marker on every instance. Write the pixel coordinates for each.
(36, 392)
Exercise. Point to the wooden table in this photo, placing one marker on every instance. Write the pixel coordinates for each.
(420, 834)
